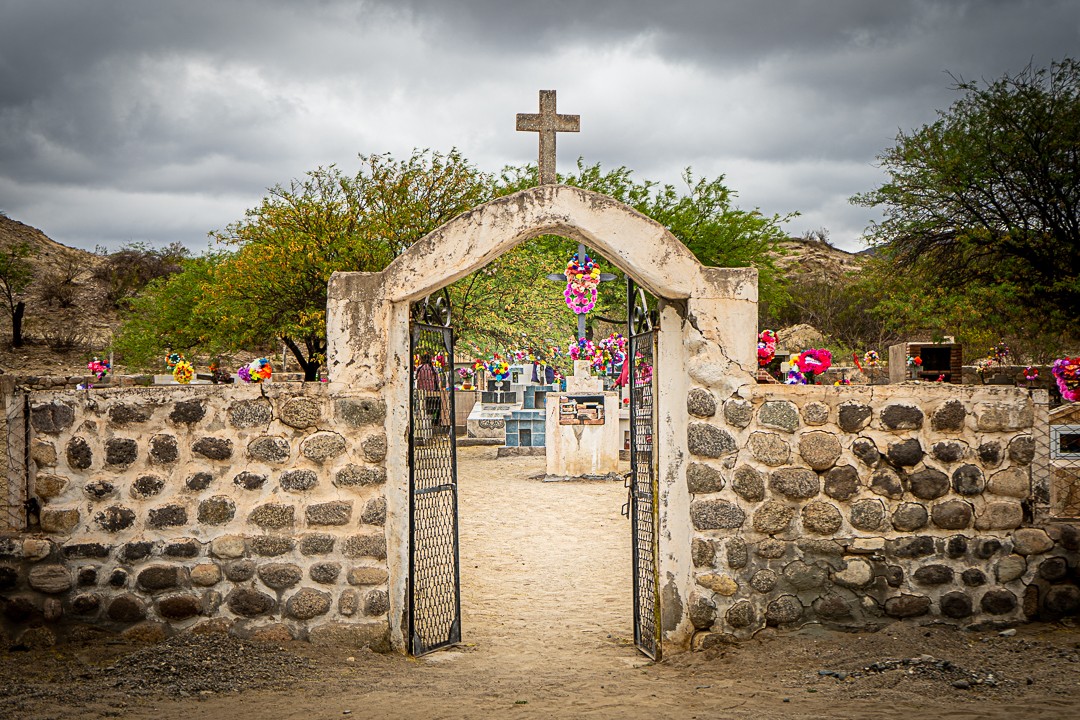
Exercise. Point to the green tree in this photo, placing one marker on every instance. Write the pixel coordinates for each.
(16, 273)
(982, 208)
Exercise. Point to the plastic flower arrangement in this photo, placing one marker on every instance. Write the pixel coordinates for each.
(643, 371)
(582, 349)
(914, 361)
(183, 372)
(582, 278)
(100, 368)
(871, 358)
(794, 377)
(1066, 372)
(611, 351)
(172, 359)
(466, 373)
(256, 371)
(814, 361)
(497, 367)
(766, 347)
(983, 365)
(1001, 353)
(218, 374)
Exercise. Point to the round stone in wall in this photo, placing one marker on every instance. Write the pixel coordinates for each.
(358, 475)
(322, 446)
(199, 481)
(171, 515)
(374, 512)
(178, 607)
(217, 510)
(819, 449)
(147, 486)
(249, 603)
(968, 480)
(298, 480)
(741, 615)
(989, 453)
(902, 416)
(795, 483)
(126, 608)
(1031, 541)
(50, 579)
(948, 451)
(763, 581)
(188, 412)
(250, 413)
(905, 606)
(702, 478)
(832, 607)
(955, 605)
(213, 448)
(952, 515)
(79, 454)
(271, 545)
(99, 489)
(748, 483)
(1022, 449)
(998, 602)
(1013, 482)
(933, 575)
(300, 412)
(771, 549)
(853, 416)
(857, 574)
(269, 449)
(121, 451)
(702, 611)
(928, 483)
(249, 480)
(738, 413)
(784, 610)
(325, 572)
(815, 413)
(1000, 515)
(736, 553)
(867, 514)
(700, 403)
(821, 518)
(909, 516)
(803, 576)
(770, 448)
(779, 414)
(708, 440)
(374, 447)
(1053, 569)
(307, 604)
(973, 577)
(273, 516)
(1009, 568)
(866, 450)
(887, 483)
(163, 449)
(115, 518)
(906, 453)
(948, 417)
(716, 515)
(280, 575)
(773, 517)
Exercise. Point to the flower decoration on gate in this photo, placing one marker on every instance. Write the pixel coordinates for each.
(643, 370)
(582, 279)
(1066, 372)
(871, 358)
(766, 347)
(100, 368)
(814, 361)
(183, 372)
(172, 359)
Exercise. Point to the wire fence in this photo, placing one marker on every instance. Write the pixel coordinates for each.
(1055, 479)
(14, 433)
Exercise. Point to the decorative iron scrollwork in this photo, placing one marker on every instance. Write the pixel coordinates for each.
(642, 319)
(433, 310)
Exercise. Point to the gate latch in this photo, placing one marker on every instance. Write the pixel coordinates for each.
(628, 484)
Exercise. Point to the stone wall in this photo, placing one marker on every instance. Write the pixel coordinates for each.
(257, 510)
(855, 506)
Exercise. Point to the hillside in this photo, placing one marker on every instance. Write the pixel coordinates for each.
(814, 258)
(58, 340)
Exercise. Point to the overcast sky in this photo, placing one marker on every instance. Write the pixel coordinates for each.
(161, 121)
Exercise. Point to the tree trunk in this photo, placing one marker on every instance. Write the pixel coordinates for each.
(16, 325)
(310, 367)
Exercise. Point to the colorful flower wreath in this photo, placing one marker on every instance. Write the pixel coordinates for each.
(766, 347)
(814, 361)
(870, 358)
(1001, 352)
(582, 278)
(183, 372)
(172, 359)
(1031, 373)
(1066, 372)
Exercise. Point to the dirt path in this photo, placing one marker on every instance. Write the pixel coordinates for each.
(546, 604)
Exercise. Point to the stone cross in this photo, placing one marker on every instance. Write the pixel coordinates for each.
(547, 122)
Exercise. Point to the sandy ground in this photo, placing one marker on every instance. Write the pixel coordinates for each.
(547, 634)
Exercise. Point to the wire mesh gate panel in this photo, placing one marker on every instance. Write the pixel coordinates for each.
(643, 510)
(434, 576)
(1056, 468)
(13, 499)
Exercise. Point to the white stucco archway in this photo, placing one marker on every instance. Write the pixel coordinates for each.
(707, 318)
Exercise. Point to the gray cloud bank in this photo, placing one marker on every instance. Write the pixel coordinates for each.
(158, 122)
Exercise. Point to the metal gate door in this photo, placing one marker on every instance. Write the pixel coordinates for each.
(643, 488)
(434, 579)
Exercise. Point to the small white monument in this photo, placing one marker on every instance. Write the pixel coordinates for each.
(583, 427)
